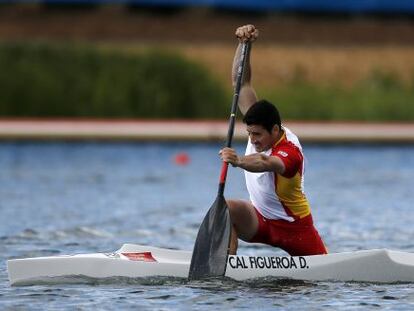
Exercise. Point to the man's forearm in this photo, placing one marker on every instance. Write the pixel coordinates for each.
(247, 71)
(257, 163)
(247, 97)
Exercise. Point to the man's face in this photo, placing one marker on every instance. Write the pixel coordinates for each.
(261, 138)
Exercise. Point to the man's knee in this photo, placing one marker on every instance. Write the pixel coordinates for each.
(231, 203)
(235, 207)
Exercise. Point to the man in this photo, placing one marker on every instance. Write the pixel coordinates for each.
(278, 213)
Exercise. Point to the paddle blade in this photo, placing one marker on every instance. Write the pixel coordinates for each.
(212, 244)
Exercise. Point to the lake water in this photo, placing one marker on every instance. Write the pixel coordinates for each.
(65, 198)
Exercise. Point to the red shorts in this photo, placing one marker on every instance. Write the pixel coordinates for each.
(298, 238)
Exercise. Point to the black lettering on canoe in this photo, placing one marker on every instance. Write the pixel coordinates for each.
(303, 263)
(268, 262)
(293, 263)
(274, 266)
(231, 262)
(285, 262)
(260, 262)
(253, 263)
(244, 264)
(278, 262)
(240, 263)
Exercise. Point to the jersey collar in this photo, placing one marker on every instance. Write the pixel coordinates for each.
(281, 138)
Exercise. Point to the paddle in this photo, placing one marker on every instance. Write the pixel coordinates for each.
(211, 247)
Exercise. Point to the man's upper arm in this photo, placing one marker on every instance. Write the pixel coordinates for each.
(291, 158)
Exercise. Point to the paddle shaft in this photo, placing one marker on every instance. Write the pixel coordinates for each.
(240, 70)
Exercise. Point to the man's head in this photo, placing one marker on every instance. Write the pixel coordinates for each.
(263, 125)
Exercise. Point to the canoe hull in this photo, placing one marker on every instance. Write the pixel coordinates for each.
(137, 261)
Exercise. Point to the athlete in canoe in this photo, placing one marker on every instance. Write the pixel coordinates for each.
(278, 212)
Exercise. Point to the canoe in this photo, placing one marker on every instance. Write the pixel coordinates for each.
(139, 261)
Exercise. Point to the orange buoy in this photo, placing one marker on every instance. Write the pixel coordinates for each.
(181, 158)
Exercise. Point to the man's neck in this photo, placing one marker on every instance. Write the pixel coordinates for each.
(279, 136)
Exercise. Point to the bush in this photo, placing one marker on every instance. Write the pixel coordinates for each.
(380, 97)
(72, 80)
(50, 80)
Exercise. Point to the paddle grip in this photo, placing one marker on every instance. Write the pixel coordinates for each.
(240, 71)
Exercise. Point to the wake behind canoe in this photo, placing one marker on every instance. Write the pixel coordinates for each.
(137, 261)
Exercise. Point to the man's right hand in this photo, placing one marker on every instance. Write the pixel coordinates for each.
(229, 155)
(247, 33)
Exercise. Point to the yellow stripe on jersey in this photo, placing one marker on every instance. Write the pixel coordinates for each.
(291, 196)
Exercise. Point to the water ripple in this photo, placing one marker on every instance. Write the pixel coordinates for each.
(68, 198)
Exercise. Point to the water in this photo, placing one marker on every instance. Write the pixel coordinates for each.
(64, 198)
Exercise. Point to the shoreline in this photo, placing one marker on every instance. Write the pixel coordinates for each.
(203, 130)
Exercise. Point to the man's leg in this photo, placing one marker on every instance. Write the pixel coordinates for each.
(244, 220)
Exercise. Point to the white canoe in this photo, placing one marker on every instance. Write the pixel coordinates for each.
(138, 261)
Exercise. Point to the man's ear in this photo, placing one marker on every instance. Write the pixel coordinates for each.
(275, 129)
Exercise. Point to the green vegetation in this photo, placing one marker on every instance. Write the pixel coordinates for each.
(72, 80)
(380, 97)
(45, 80)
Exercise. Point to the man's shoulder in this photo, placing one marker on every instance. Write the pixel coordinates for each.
(285, 145)
(289, 145)
(292, 138)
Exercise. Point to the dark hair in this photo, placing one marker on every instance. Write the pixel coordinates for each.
(263, 113)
